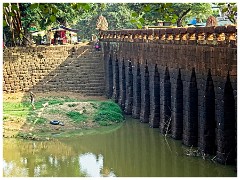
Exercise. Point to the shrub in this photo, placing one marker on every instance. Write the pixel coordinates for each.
(108, 113)
(110, 106)
(108, 116)
(76, 116)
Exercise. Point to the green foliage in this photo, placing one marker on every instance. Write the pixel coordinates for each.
(108, 113)
(103, 123)
(43, 16)
(118, 16)
(151, 13)
(40, 120)
(199, 10)
(110, 106)
(83, 16)
(53, 18)
(229, 10)
(76, 116)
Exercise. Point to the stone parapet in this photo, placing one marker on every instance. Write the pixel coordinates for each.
(211, 36)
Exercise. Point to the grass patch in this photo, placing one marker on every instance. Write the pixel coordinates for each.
(108, 113)
(16, 109)
(40, 120)
(76, 116)
(54, 111)
(52, 101)
(24, 109)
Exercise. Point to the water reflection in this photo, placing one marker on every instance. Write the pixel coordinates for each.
(92, 165)
(134, 150)
(87, 164)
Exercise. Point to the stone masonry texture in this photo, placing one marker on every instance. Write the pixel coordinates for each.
(72, 68)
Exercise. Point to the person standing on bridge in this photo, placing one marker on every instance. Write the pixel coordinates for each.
(94, 38)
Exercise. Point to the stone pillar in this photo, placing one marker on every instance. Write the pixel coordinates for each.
(129, 89)
(116, 82)
(122, 82)
(226, 124)
(136, 91)
(145, 95)
(106, 58)
(109, 77)
(177, 112)
(207, 122)
(154, 98)
(190, 124)
(165, 124)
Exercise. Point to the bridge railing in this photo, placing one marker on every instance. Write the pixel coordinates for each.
(212, 36)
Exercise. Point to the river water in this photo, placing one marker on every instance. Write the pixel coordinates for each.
(133, 150)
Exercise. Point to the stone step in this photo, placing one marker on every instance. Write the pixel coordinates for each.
(91, 84)
(83, 70)
(85, 64)
(98, 60)
(89, 53)
(80, 66)
(88, 61)
(93, 91)
(95, 94)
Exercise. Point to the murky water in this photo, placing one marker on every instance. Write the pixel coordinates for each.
(134, 150)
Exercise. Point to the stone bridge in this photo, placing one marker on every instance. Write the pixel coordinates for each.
(180, 80)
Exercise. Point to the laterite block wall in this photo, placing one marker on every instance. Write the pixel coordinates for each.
(73, 68)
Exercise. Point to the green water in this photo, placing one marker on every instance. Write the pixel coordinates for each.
(134, 150)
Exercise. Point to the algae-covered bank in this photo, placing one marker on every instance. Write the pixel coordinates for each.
(58, 115)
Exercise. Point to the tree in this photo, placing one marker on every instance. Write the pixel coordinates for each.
(190, 10)
(18, 17)
(150, 14)
(11, 15)
(229, 10)
(118, 16)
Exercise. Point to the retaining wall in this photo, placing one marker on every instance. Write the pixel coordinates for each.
(72, 68)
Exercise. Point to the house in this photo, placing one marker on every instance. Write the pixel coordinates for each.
(62, 35)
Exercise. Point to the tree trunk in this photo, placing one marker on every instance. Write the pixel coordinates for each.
(180, 18)
(179, 22)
